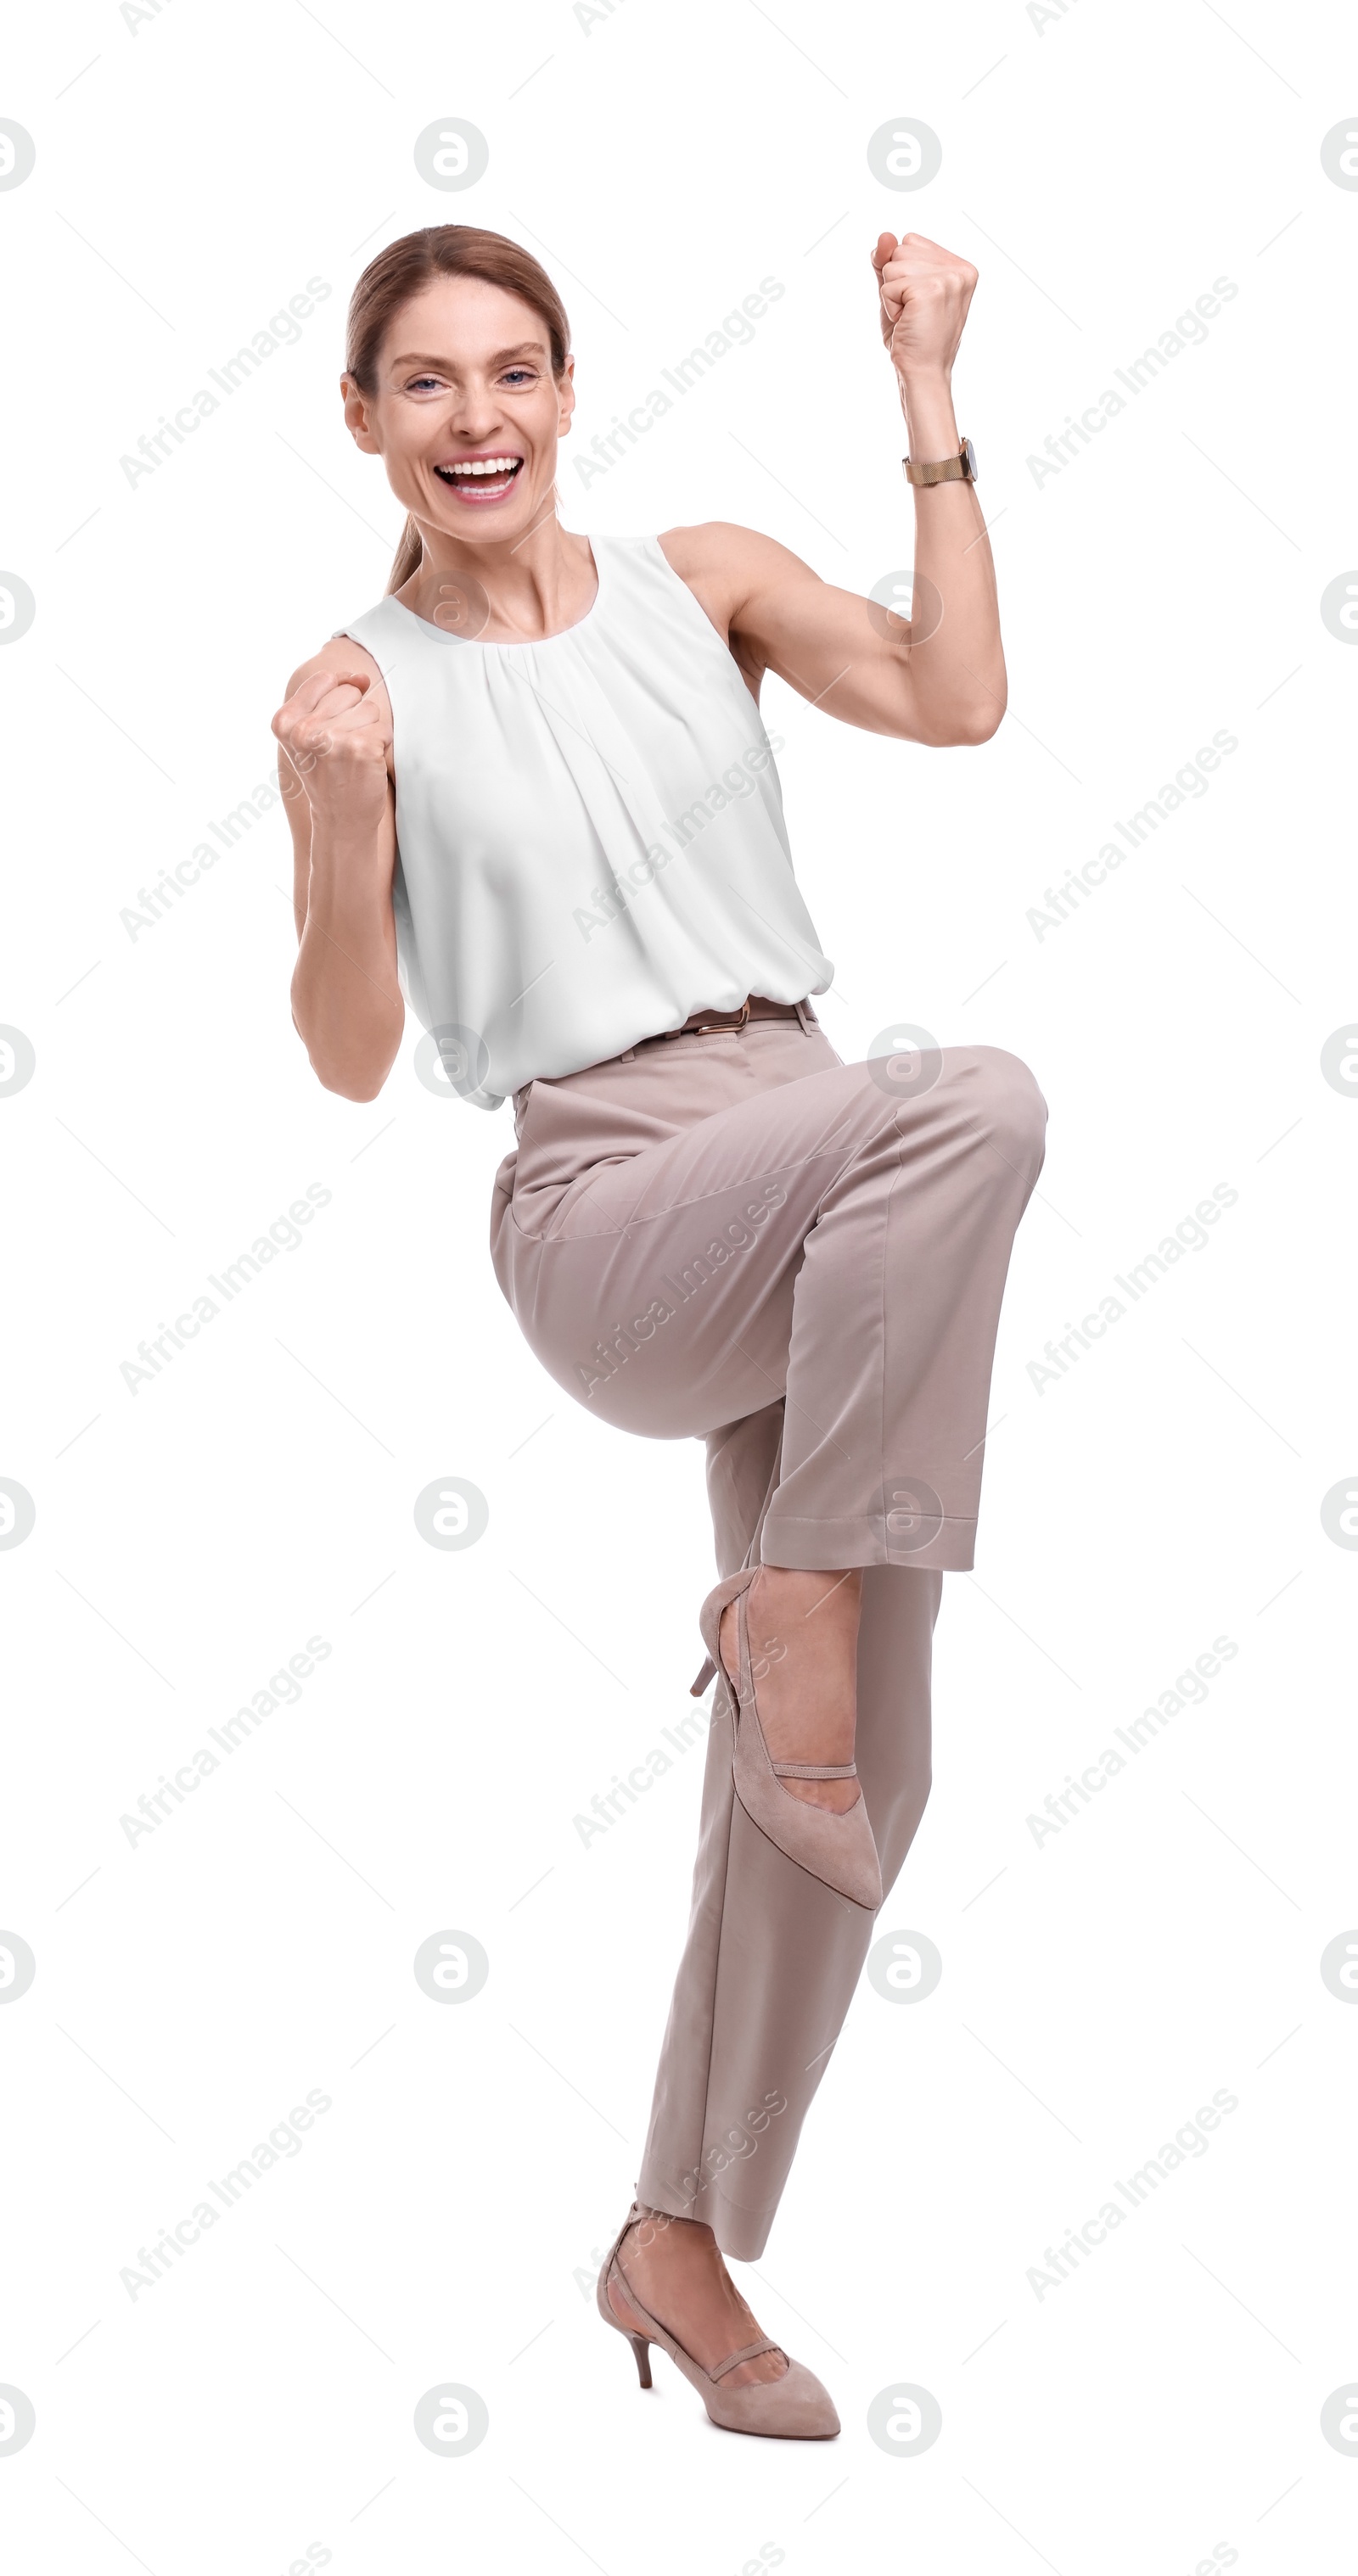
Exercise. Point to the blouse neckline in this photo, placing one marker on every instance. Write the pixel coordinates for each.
(519, 644)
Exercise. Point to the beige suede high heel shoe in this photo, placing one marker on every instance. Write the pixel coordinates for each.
(795, 2408)
(838, 1849)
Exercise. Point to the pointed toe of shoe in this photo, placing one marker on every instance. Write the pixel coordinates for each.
(859, 1866)
(796, 2408)
(840, 1850)
(865, 1886)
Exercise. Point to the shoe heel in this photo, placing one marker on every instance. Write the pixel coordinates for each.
(641, 2348)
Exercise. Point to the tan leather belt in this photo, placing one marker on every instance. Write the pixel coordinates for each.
(754, 1007)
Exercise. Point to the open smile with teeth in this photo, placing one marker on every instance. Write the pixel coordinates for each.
(480, 478)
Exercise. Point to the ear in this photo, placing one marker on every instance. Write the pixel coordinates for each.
(356, 417)
(565, 399)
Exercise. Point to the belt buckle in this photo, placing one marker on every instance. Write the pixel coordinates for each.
(724, 1027)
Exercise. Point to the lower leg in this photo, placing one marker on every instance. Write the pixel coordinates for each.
(803, 1655)
(678, 2274)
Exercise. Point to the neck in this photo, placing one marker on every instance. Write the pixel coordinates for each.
(515, 588)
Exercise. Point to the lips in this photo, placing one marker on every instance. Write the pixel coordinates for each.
(478, 479)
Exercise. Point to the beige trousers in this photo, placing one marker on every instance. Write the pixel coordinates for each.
(735, 1236)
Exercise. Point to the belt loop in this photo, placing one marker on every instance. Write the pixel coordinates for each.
(807, 1016)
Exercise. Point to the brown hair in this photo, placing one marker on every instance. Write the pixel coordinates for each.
(399, 271)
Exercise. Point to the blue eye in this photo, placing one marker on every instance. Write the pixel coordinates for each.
(524, 375)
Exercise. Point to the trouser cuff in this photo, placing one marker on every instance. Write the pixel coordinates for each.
(810, 1546)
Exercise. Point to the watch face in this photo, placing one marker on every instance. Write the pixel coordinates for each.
(969, 453)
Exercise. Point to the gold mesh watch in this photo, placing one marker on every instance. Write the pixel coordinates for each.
(960, 468)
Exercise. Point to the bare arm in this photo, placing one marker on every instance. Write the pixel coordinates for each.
(334, 769)
(941, 678)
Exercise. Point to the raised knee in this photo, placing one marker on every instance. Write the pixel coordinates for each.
(1009, 1101)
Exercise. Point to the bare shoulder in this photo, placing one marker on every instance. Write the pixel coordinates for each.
(727, 566)
(721, 547)
(343, 657)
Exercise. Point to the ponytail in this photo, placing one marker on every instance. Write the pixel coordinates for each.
(409, 555)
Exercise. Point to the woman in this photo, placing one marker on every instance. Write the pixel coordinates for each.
(531, 787)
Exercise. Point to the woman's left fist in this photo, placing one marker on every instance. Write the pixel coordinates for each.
(925, 292)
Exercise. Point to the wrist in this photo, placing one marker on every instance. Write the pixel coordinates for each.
(346, 893)
(927, 404)
(927, 377)
(342, 848)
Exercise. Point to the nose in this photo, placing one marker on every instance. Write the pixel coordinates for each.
(475, 414)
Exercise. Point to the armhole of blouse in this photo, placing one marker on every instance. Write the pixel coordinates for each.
(721, 642)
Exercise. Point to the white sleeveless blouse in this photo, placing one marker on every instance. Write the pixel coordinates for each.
(590, 831)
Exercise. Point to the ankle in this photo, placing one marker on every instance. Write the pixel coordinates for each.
(809, 1606)
(653, 2228)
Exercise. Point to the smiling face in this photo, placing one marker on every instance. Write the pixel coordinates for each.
(467, 413)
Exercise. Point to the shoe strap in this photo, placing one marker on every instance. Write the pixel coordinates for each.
(747, 2352)
(816, 1770)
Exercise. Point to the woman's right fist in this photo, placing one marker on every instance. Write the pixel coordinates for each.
(336, 731)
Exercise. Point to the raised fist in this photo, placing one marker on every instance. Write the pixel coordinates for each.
(924, 293)
(336, 731)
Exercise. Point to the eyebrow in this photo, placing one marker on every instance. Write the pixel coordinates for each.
(522, 348)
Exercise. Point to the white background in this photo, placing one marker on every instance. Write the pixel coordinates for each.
(193, 171)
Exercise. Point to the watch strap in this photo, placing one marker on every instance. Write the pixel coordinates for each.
(947, 469)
